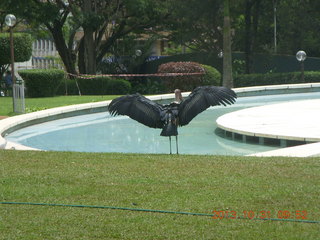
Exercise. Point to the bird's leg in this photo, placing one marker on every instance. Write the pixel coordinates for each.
(170, 144)
(177, 144)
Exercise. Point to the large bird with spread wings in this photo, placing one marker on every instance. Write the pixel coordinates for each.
(170, 116)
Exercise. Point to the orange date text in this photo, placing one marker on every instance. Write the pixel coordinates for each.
(250, 214)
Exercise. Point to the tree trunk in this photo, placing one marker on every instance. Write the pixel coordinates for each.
(89, 52)
(65, 53)
(81, 62)
(227, 80)
(89, 42)
(252, 21)
(248, 37)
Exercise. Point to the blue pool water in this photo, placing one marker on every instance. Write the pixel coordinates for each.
(100, 132)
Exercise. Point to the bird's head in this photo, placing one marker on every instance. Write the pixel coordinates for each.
(178, 95)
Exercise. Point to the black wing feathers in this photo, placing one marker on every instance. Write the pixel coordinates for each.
(138, 108)
(202, 98)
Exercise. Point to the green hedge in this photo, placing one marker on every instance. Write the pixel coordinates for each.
(96, 86)
(42, 82)
(212, 76)
(247, 80)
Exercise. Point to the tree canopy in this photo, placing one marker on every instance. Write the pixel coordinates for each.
(85, 31)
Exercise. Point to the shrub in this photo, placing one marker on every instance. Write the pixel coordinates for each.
(212, 76)
(118, 86)
(199, 57)
(152, 85)
(42, 82)
(68, 87)
(22, 47)
(247, 80)
(185, 83)
(103, 86)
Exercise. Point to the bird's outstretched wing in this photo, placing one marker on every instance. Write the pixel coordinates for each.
(138, 108)
(201, 98)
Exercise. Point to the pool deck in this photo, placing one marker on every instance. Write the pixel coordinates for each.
(292, 121)
(298, 121)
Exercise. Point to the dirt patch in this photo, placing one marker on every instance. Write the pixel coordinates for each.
(3, 117)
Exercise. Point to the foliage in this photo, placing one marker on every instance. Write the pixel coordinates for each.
(42, 83)
(174, 49)
(118, 86)
(227, 79)
(179, 21)
(184, 82)
(196, 24)
(151, 85)
(298, 27)
(211, 77)
(103, 86)
(34, 109)
(102, 23)
(22, 49)
(247, 80)
(253, 22)
(238, 67)
(128, 56)
(199, 57)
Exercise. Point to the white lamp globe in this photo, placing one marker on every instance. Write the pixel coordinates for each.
(301, 56)
(10, 20)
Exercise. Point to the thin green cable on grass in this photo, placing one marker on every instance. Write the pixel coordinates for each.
(149, 210)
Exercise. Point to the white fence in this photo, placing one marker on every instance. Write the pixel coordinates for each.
(44, 56)
(44, 48)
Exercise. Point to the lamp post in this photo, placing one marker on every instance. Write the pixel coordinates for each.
(17, 88)
(11, 21)
(301, 56)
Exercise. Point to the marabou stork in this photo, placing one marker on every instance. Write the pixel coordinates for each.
(170, 116)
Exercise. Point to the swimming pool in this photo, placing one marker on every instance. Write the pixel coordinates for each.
(99, 132)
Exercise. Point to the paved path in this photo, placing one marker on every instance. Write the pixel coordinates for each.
(299, 120)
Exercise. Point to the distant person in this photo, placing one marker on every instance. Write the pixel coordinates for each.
(8, 79)
(8, 82)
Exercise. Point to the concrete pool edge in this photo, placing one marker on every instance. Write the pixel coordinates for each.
(13, 123)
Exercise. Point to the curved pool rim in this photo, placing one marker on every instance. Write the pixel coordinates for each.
(11, 124)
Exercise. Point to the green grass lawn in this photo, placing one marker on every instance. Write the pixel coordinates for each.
(34, 104)
(198, 184)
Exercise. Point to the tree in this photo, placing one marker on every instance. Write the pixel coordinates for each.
(298, 27)
(84, 31)
(22, 49)
(251, 30)
(227, 80)
(196, 24)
